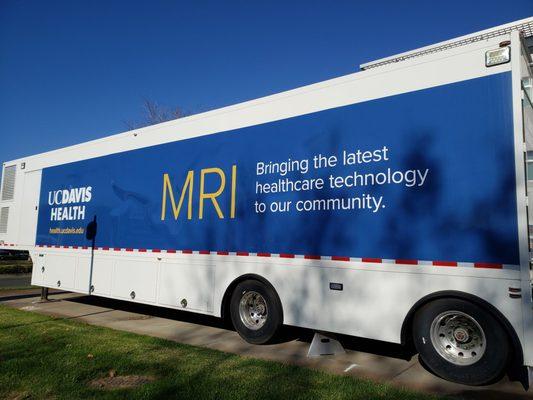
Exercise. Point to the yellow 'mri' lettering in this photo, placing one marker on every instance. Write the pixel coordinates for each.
(188, 188)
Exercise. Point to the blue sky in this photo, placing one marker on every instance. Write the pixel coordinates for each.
(72, 71)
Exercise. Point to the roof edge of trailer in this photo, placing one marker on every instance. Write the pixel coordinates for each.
(524, 25)
(189, 118)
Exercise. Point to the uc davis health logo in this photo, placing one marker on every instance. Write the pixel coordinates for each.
(67, 204)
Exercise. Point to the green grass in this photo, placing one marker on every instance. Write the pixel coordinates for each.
(46, 358)
(15, 267)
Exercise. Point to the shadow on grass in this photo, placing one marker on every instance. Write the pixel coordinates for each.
(74, 354)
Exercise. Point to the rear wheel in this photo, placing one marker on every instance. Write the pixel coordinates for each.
(461, 342)
(255, 311)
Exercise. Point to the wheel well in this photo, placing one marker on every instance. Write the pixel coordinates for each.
(224, 310)
(407, 326)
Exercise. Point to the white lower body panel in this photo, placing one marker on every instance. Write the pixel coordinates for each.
(374, 302)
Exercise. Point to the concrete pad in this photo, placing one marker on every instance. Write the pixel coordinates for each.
(363, 358)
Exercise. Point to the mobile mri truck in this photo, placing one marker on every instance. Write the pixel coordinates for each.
(388, 204)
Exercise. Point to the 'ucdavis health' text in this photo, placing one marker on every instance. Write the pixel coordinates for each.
(67, 204)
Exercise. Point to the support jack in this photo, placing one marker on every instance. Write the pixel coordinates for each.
(44, 294)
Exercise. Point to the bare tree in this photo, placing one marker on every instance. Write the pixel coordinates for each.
(153, 114)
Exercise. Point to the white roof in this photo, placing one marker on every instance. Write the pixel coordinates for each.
(525, 26)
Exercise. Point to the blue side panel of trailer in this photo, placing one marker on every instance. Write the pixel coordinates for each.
(427, 175)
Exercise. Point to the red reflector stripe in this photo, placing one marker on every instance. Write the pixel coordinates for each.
(445, 264)
(488, 265)
(338, 258)
(409, 262)
(286, 255)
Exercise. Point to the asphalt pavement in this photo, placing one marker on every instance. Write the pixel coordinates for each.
(14, 280)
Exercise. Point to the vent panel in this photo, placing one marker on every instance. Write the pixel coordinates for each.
(8, 182)
(4, 216)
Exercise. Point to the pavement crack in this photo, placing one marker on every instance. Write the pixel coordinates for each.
(403, 370)
(88, 315)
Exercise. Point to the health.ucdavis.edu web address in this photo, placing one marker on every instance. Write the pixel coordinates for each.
(67, 231)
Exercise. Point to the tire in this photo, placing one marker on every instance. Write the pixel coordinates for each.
(461, 342)
(255, 311)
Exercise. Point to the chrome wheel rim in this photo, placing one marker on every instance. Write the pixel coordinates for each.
(458, 338)
(253, 310)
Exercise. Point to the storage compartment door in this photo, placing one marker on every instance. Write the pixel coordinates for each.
(135, 280)
(187, 286)
(102, 272)
(59, 271)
